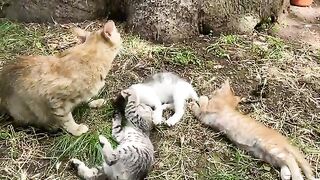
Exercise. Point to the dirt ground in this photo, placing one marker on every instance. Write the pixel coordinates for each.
(301, 25)
(279, 81)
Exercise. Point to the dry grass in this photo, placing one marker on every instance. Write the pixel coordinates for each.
(280, 81)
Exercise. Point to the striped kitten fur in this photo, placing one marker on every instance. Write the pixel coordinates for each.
(265, 143)
(134, 156)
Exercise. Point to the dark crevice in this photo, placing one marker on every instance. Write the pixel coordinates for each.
(117, 11)
(265, 23)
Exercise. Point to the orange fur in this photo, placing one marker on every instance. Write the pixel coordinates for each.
(220, 113)
(43, 90)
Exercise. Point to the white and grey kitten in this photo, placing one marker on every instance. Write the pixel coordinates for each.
(165, 90)
(134, 156)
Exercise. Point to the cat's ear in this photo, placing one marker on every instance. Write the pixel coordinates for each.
(108, 30)
(125, 93)
(226, 85)
(81, 34)
(237, 100)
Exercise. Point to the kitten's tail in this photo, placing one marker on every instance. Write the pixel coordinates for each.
(303, 163)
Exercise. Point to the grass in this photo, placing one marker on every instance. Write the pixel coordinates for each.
(86, 147)
(220, 47)
(273, 48)
(17, 39)
(188, 150)
(182, 56)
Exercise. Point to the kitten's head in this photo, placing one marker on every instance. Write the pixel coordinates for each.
(223, 97)
(108, 34)
(121, 101)
(143, 110)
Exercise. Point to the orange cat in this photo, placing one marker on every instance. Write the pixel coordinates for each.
(43, 90)
(267, 144)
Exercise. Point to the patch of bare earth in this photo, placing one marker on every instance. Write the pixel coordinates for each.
(280, 86)
(301, 25)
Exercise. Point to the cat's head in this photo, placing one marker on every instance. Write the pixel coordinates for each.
(108, 34)
(223, 97)
(121, 101)
(143, 110)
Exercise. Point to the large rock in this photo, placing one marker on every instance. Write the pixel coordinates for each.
(164, 21)
(159, 20)
(238, 16)
(175, 20)
(54, 10)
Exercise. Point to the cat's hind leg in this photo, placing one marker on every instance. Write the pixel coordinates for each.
(285, 173)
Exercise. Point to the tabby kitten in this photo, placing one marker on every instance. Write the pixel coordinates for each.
(43, 90)
(134, 156)
(165, 90)
(267, 144)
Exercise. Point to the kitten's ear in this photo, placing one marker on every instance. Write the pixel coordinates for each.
(226, 85)
(237, 100)
(203, 103)
(108, 29)
(81, 34)
(125, 93)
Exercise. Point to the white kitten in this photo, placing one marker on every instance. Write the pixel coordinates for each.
(165, 90)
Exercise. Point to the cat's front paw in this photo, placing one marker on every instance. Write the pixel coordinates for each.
(172, 121)
(82, 128)
(75, 163)
(158, 121)
(103, 140)
(97, 103)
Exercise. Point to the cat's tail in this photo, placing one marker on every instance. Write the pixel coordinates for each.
(303, 163)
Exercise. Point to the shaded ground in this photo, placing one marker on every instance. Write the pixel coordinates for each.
(279, 81)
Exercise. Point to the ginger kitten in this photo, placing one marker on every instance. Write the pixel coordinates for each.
(43, 90)
(265, 143)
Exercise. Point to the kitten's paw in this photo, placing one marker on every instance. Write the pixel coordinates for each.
(105, 144)
(103, 140)
(156, 121)
(172, 121)
(82, 128)
(194, 108)
(75, 163)
(167, 106)
(97, 103)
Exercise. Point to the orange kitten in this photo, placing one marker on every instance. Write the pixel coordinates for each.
(43, 90)
(267, 144)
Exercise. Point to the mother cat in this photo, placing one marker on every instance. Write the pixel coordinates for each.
(43, 90)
